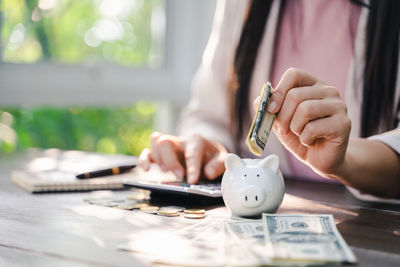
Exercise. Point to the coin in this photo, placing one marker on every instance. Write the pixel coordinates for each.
(150, 209)
(93, 200)
(130, 202)
(126, 206)
(195, 211)
(118, 200)
(169, 210)
(99, 201)
(139, 205)
(177, 208)
(138, 196)
(168, 213)
(107, 204)
(194, 216)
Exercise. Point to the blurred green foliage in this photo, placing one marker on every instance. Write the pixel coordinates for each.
(108, 130)
(126, 32)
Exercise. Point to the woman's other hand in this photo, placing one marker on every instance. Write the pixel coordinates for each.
(311, 121)
(185, 156)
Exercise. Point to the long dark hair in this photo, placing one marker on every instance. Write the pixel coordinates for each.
(381, 65)
(380, 73)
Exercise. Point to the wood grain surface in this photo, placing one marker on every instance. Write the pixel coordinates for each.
(62, 230)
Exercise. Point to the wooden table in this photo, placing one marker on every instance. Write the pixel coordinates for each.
(59, 229)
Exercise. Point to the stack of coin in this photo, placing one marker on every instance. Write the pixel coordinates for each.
(139, 195)
(150, 209)
(130, 205)
(168, 212)
(194, 213)
(107, 204)
(97, 201)
(177, 208)
(118, 200)
(140, 205)
(125, 206)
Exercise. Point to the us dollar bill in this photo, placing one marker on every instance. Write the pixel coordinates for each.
(236, 252)
(245, 243)
(262, 123)
(309, 239)
(200, 244)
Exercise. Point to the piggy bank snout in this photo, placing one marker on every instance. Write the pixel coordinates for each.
(252, 196)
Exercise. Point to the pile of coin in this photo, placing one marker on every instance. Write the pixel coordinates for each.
(140, 202)
(194, 213)
(175, 211)
(170, 211)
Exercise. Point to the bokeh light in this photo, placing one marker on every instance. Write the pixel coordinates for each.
(123, 130)
(123, 32)
(126, 32)
(8, 137)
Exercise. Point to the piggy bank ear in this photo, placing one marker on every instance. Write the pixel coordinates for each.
(271, 161)
(232, 161)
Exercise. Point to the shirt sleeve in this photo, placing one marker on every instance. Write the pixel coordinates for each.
(390, 138)
(207, 112)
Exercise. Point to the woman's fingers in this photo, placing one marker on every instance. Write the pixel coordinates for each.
(215, 167)
(311, 110)
(193, 158)
(168, 151)
(145, 159)
(291, 78)
(255, 103)
(154, 150)
(331, 128)
(165, 150)
(177, 153)
(297, 96)
(311, 120)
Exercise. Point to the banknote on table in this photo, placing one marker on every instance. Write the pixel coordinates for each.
(245, 243)
(277, 239)
(207, 243)
(201, 244)
(236, 252)
(204, 249)
(262, 123)
(307, 239)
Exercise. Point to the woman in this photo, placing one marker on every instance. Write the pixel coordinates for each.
(334, 65)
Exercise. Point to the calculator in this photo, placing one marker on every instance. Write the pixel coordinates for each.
(211, 190)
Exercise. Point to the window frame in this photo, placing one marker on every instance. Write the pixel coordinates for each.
(188, 24)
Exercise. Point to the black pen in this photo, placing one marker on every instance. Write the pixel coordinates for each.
(105, 172)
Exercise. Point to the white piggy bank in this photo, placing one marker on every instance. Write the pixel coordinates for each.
(252, 186)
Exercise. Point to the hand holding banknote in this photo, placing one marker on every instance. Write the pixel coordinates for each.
(311, 120)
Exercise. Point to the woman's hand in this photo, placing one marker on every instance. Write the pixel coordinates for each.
(311, 121)
(185, 156)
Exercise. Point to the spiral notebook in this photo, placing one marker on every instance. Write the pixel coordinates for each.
(55, 170)
(53, 181)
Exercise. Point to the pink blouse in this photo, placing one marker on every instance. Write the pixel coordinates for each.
(318, 37)
(320, 26)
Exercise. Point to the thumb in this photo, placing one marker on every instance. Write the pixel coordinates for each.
(255, 103)
(215, 166)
